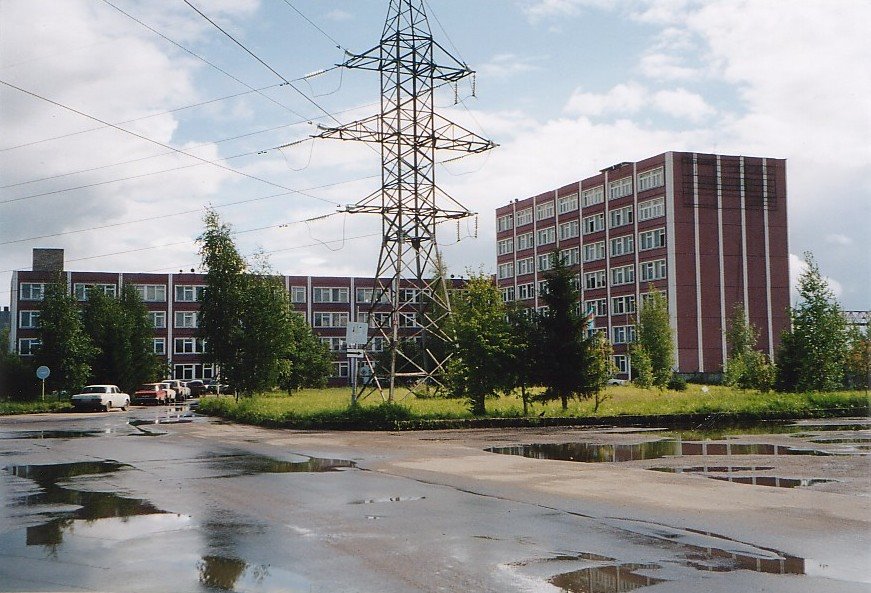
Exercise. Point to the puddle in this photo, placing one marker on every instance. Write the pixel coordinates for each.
(70, 505)
(219, 572)
(247, 465)
(593, 453)
(836, 441)
(54, 434)
(617, 578)
(712, 468)
(390, 499)
(772, 481)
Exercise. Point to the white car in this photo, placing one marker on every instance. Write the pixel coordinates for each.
(101, 397)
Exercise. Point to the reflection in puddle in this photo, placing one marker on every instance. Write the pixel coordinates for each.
(710, 471)
(704, 469)
(53, 434)
(589, 452)
(246, 465)
(390, 499)
(90, 505)
(607, 579)
(223, 573)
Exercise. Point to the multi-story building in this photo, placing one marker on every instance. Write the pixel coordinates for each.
(709, 231)
(172, 300)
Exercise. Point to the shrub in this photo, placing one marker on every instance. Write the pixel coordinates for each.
(677, 383)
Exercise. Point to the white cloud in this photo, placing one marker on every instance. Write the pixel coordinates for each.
(502, 66)
(542, 9)
(838, 239)
(622, 99)
(661, 66)
(681, 103)
(339, 15)
(797, 267)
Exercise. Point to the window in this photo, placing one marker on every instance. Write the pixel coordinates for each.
(544, 211)
(622, 275)
(651, 209)
(621, 363)
(619, 188)
(525, 291)
(567, 204)
(187, 293)
(648, 296)
(594, 223)
(505, 270)
(188, 346)
(28, 319)
(505, 223)
(158, 346)
(28, 346)
(377, 344)
(335, 344)
(570, 256)
(525, 266)
(157, 318)
(505, 246)
(650, 179)
(410, 295)
(81, 290)
(545, 262)
(31, 291)
(297, 294)
(187, 319)
(592, 196)
(408, 319)
(594, 279)
(653, 270)
(151, 293)
(329, 295)
(623, 304)
(622, 245)
(569, 230)
(622, 334)
(594, 251)
(379, 319)
(598, 307)
(508, 294)
(651, 239)
(340, 369)
(525, 241)
(546, 236)
(366, 295)
(524, 217)
(329, 319)
(620, 216)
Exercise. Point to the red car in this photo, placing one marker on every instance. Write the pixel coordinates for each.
(151, 393)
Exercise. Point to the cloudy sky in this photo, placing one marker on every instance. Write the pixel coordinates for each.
(122, 119)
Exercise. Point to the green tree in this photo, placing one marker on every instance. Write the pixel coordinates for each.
(483, 337)
(307, 362)
(143, 365)
(565, 350)
(17, 376)
(746, 367)
(600, 367)
(642, 368)
(813, 353)
(65, 347)
(521, 362)
(654, 336)
(222, 302)
(859, 357)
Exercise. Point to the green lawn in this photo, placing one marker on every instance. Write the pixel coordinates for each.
(330, 407)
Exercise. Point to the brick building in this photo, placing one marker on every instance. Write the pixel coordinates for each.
(709, 231)
(327, 303)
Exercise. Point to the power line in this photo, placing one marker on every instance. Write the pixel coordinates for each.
(313, 24)
(141, 137)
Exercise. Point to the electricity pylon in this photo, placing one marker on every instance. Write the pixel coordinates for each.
(410, 203)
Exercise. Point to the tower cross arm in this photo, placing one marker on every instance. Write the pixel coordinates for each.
(364, 130)
(452, 136)
(377, 60)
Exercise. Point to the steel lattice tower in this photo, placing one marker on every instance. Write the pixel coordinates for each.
(410, 203)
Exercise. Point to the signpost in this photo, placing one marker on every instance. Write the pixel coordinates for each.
(42, 373)
(356, 334)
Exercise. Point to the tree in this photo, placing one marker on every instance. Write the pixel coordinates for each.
(859, 357)
(17, 378)
(307, 362)
(653, 335)
(813, 352)
(600, 367)
(641, 366)
(222, 301)
(65, 347)
(521, 362)
(746, 367)
(566, 352)
(483, 337)
(144, 365)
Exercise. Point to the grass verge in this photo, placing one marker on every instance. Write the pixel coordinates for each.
(329, 409)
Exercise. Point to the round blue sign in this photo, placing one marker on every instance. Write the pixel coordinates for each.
(43, 372)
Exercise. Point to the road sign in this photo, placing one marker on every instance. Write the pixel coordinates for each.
(355, 353)
(356, 333)
(43, 372)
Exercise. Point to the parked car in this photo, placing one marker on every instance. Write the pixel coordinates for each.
(197, 387)
(181, 392)
(153, 393)
(101, 397)
(172, 396)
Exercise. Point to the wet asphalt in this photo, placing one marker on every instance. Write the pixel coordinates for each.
(159, 499)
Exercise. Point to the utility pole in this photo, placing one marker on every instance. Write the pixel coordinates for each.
(409, 202)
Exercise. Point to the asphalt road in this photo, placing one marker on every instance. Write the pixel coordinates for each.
(155, 500)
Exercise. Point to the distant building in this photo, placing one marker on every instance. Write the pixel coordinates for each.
(326, 302)
(707, 230)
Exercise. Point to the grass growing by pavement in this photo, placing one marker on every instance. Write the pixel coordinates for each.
(51, 404)
(329, 408)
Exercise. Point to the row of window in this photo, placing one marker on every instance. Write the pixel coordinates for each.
(619, 276)
(596, 195)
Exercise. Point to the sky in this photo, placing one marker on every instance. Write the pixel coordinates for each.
(122, 120)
